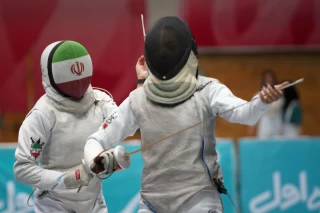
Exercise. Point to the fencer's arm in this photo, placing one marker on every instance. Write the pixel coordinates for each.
(111, 133)
(35, 126)
(221, 99)
(108, 103)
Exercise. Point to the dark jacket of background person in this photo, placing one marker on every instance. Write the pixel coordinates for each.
(291, 113)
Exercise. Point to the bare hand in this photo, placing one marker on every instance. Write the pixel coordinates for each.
(141, 68)
(271, 94)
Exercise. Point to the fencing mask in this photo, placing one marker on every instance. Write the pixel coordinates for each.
(67, 67)
(171, 57)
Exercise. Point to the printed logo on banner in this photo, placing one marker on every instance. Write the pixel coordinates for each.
(286, 195)
(279, 175)
(15, 202)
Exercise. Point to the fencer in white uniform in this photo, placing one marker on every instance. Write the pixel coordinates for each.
(55, 131)
(178, 173)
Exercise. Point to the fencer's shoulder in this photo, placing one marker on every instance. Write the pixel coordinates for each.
(100, 95)
(42, 100)
(43, 109)
(204, 79)
(206, 82)
(36, 116)
(137, 97)
(43, 105)
(137, 91)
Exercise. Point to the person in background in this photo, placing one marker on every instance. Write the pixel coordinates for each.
(291, 113)
(270, 124)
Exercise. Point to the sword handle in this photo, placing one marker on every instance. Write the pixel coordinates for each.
(122, 159)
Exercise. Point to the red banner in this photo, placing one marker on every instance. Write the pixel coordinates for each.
(253, 23)
(110, 30)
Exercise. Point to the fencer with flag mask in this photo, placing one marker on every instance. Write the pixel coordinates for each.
(178, 173)
(55, 131)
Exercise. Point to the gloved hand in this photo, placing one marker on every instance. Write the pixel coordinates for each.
(76, 177)
(105, 163)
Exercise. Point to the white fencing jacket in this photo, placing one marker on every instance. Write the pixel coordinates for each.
(51, 142)
(179, 167)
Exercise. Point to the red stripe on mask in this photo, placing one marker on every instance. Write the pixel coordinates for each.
(75, 89)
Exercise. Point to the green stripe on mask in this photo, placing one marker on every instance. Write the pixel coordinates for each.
(69, 50)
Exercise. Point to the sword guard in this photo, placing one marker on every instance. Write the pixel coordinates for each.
(121, 158)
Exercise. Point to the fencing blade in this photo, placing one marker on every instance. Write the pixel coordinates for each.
(206, 120)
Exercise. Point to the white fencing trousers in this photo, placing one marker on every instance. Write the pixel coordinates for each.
(49, 204)
(205, 201)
